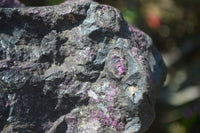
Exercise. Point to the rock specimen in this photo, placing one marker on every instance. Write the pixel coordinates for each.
(78, 67)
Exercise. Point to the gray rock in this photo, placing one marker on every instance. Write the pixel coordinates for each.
(78, 67)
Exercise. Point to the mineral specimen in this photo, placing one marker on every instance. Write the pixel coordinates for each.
(78, 67)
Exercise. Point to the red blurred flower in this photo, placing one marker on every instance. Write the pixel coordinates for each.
(153, 21)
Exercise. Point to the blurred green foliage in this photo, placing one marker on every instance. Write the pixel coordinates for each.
(54, 2)
(41, 2)
(131, 15)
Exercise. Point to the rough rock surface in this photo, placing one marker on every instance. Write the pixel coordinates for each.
(78, 67)
(10, 3)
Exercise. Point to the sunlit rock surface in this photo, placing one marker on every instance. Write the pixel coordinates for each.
(78, 67)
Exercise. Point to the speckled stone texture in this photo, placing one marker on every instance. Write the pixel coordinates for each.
(78, 67)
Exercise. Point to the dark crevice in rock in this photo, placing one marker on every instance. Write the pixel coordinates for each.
(97, 35)
(95, 67)
(59, 57)
(88, 78)
(4, 105)
(68, 103)
(46, 58)
(68, 22)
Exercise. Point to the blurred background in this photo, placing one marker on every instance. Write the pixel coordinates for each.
(174, 26)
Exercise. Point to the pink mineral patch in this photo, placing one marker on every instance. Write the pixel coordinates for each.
(106, 6)
(70, 118)
(134, 51)
(120, 68)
